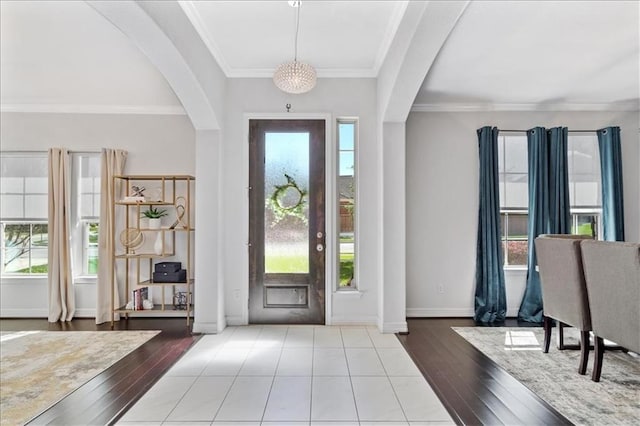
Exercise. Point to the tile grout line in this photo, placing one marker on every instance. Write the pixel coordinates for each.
(313, 355)
(275, 374)
(234, 378)
(391, 383)
(353, 394)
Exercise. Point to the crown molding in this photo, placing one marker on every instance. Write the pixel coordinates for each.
(93, 109)
(392, 29)
(196, 20)
(461, 107)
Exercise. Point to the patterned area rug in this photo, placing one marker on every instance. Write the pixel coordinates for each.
(38, 368)
(615, 400)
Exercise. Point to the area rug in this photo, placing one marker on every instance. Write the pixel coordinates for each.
(38, 368)
(615, 400)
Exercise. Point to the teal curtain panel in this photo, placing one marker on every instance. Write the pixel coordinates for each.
(611, 168)
(549, 206)
(490, 297)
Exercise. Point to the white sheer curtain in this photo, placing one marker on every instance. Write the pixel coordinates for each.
(112, 164)
(61, 296)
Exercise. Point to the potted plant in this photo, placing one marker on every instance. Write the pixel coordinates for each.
(155, 217)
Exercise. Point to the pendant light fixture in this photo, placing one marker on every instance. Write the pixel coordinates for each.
(294, 76)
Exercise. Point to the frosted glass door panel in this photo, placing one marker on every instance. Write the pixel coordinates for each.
(286, 221)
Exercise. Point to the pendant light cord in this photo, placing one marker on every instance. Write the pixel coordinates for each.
(295, 52)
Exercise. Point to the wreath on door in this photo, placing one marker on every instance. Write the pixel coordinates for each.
(281, 209)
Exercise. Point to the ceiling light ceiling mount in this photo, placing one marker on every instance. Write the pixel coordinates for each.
(295, 77)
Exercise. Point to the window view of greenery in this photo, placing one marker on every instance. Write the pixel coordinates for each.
(514, 193)
(346, 198)
(92, 248)
(24, 249)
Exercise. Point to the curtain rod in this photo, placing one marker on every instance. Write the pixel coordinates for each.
(570, 131)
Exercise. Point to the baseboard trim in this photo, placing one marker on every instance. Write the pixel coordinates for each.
(439, 312)
(24, 313)
(451, 312)
(85, 313)
(394, 327)
(205, 327)
(234, 320)
(344, 320)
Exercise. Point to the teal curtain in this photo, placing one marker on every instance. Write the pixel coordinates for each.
(548, 205)
(490, 298)
(559, 204)
(611, 168)
(538, 160)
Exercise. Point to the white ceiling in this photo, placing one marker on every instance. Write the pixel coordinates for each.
(501, 55)
(339, 38)
(537, 55)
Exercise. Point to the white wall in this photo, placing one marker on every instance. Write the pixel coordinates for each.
(156, 145)
(442, 200)
(338, 98)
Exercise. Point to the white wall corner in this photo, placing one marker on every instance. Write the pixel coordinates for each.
(393, 290)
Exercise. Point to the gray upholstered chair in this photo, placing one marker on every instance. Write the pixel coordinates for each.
(612, 274)
(564, 293)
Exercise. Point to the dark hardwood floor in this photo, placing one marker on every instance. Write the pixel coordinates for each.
(106, 397)
(473, 388)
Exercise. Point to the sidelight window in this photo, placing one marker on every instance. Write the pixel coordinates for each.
(347, 141)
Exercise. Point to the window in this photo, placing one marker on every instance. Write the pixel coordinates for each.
(23, 213)
(585, 191)
(347, 202)
(514, 197)
(86, 212)
(585, 184)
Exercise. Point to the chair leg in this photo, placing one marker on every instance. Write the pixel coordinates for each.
(584, 352)
(547, 324)
(560, 327)
(598, 345)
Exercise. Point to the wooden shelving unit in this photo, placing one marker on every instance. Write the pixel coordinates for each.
(169, 192)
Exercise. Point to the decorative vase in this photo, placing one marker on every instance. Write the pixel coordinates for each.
(154, 223)
(158, 245)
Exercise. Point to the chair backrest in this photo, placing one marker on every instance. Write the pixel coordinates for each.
(564, 292)
(612, 274)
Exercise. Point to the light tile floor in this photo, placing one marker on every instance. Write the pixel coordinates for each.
(289, 376)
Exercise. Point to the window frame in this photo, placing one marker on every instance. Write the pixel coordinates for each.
(509, 210)
(353, 287)
(31, 223)
(80, 244)
(7, 156)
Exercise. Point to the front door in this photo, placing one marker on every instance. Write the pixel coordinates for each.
(286, 221)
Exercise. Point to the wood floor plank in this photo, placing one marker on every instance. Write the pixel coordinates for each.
(107, 396)
(456, 369)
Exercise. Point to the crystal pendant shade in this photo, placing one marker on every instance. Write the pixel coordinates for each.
(295, 77)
